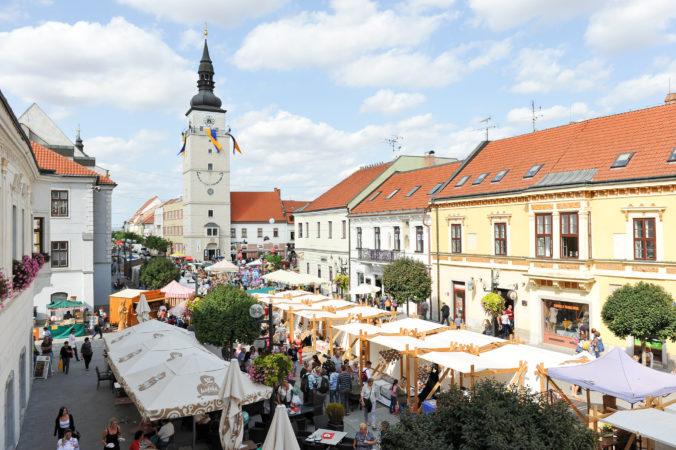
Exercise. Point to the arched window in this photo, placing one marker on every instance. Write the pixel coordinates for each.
(57, 296)
(10, 440)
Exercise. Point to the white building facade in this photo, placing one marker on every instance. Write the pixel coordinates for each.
(18, 174)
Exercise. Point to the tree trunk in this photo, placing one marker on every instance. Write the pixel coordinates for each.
(226, 351)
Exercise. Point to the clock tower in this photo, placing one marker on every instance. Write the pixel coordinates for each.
(206, 172)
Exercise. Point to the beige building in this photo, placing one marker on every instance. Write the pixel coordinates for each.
(172, 217)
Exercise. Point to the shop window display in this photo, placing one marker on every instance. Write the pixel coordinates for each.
(565, 322)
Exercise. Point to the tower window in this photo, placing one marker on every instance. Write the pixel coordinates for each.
(210, 213)
(210, 150)
(210, 166)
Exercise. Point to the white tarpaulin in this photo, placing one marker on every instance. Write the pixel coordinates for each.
(222, 267)
(398, 342)
(364, 289)
(363, 311)
(410, 324)
(652, 423)
(462, 337)
(463, 362)
(355, 327)
(280, 435)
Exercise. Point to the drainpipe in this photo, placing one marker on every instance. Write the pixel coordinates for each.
(429, 252)
(436, 211)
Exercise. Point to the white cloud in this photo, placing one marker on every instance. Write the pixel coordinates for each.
(87, 64)
(386, 101)
(576, 111)
(222, 12)
(142, 143)
(330, 152)
(191, 39)
(540, 71)
(500, 15)
(399, 68)
(632, 24)
(322, 39)
(640, 88)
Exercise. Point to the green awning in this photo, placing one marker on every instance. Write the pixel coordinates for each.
(65, 304)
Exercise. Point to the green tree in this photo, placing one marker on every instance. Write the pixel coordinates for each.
(493, 417)
(274, 259)
(222, 318)
(644, 310)
(157, 243)
(158, 272)
(493, 305)
(407, 279)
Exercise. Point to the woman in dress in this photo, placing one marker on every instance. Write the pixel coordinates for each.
(111, 435)
(64, 421)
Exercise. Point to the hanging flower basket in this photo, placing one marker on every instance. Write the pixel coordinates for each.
(270, 370)
(6, 290)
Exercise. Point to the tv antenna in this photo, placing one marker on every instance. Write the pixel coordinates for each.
(394, 142)
(536, 113)
(487, 125)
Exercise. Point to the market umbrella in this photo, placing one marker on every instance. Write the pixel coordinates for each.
(177, 290)
(143, 309)
(234, 393)
(187, 258)
(222, 267)
(281, 433)
(176, 255)
(256, 262)
(364, 289)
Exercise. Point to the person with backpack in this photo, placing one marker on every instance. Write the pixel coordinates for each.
(333, 388)
(597, 344)
(321, 387)
(306, 383)
(344, 388)
(368, 402)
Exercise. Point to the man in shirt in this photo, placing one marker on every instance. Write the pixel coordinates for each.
(445, 313)
(164, 434)
(364, 439)
(344, 388)
(337, 360)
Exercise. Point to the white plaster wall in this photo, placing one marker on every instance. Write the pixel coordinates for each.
(102, 244)
(252, 233)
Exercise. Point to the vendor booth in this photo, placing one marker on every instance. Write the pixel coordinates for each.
(66, 315)
(123, 305)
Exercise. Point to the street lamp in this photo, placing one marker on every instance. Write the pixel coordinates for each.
(257, 312)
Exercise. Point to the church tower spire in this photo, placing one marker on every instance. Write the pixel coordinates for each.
(205, 99)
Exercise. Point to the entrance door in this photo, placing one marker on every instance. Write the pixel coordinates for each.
(459, 301)
(210, 254)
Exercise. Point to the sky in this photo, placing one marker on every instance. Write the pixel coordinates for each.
(315, 89)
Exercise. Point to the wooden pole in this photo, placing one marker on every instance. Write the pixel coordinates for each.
(452, 377)
(588, 401)
(471, 377)
(415, 368)
(408, 378)
(330, 340)
(313, 324)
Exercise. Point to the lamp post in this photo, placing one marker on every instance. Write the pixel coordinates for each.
(257, 312)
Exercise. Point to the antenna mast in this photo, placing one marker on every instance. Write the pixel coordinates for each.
(394, 142)
(486, 126)
(536, 115)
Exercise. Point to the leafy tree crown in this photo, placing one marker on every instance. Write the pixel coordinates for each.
(407, 279)
(158, 272)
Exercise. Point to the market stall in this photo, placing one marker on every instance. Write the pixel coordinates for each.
(66, 315)
(123, 305)
(175, 293)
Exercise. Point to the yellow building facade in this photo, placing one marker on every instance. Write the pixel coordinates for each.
(555, 244)
(173, 224)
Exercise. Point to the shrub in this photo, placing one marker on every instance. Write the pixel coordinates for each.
(336, 412)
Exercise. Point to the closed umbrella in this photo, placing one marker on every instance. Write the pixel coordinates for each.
(143, 309)
(281, 433)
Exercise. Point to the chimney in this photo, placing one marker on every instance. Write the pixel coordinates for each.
(671, 98)
(430, 160)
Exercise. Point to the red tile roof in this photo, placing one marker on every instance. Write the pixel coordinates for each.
(290, 206)
(592, 144)
(139, 211)
(256, 206)
(425, 179)
(148, 217)
(341, 194)
(50, 160)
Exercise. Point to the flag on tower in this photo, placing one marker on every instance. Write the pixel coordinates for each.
(235, 146)
(183, 147)
(212, 135)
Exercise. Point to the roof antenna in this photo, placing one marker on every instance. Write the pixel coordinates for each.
(394, 143)
(537, 115)
(486, 126)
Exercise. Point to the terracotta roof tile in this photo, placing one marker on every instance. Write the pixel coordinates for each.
(139, 211)
(425, 179)
(341, 194)
(256, 206)
(50, 160)
(591, 144)
(291, 206)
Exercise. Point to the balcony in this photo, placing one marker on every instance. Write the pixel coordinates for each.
(370, 254)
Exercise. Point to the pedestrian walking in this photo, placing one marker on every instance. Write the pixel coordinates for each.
(64, 421)
(66, 353)
(445, 314)
(344, 388)
(98, 327)
(368, 402)
(334, 397)
(46, 348)
(112, 435)
(73, 344)
(402, 396)
(87, 352)
(67, 442)
(425, 307)
(597, 344)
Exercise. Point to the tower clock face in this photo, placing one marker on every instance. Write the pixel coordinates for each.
(209, 120)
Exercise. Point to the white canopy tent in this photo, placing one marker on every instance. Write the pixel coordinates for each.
(222, 266)
(465, 362)
(409, 324)
(365, 289)
(462, 337)
(345, 335)
(652, 423)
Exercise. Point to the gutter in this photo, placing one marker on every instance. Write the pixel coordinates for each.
(429, 251)
(436, 209)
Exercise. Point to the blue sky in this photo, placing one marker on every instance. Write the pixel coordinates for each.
(314, 88)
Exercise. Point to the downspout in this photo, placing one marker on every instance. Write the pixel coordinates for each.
(349, 250)
(429, 252)
(436, 210)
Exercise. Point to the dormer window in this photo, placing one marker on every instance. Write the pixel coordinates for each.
(412, 191)
(392, 194)
(462, 181)
(480, 178)
(500, 175)
(375, 195)
(622, 160)
(533, 171)
(672, 157)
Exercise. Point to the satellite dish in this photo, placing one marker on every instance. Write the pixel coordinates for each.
(256, 311)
